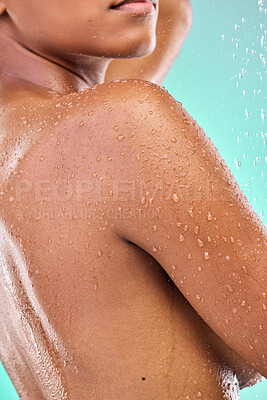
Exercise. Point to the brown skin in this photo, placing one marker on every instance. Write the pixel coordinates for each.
(102, 311)
(174, 23)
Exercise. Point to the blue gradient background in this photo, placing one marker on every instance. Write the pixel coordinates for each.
(220, 77)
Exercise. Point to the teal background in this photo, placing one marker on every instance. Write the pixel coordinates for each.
(220, 77)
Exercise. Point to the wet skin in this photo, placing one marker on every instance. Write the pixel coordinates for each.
(105, 303)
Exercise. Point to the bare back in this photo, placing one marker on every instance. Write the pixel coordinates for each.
(96, 316)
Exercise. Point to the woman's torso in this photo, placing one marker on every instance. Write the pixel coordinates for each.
(86, 313)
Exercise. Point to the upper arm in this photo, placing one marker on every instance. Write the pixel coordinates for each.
(189, 213)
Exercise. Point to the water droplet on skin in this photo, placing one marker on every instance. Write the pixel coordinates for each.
(190, 212)
(206, 255)
(173, 266)
(175, 198)
(264, 307)
(181, 237)
(153, 132)
(154, 248)
(260, 327)
(229, 287)
(81, 124)
(180, 169)
(174, 140)
(187, 122)
(199, 394)
(244, 269)
(243, 303)
(186, 227)
(91, 113)
(120, 137)
(96, 285)
(197, 297)
(99, 253)
(209, 216)
(264, 294)
(196, 230)
(200, 243)
(179, 224)
(199, 269)
(116, 128)
(189, 256)
(42, 158)
(155, 228)
(94, 174)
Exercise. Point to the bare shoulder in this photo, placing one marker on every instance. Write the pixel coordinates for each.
(192, 216)
(114, 114)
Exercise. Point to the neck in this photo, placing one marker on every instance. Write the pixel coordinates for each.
(70, 73)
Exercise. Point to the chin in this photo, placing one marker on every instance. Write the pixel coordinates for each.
(134, 50)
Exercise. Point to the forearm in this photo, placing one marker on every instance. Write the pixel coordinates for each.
(174, 22)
